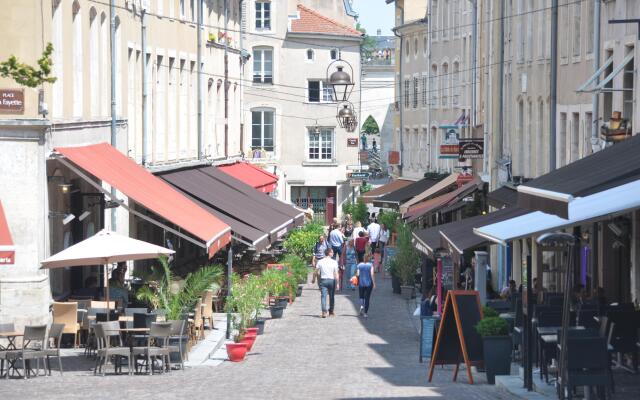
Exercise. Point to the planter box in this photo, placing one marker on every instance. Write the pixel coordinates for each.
(408, 292)
(395, 284)
(497, 356)
(276, 311)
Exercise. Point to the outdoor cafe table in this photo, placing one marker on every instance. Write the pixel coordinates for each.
(11, 337)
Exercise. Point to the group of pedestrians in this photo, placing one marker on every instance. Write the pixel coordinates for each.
(348, 253)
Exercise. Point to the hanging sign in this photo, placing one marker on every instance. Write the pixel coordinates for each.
(12, 101)
(352, 142)
(471, 148)
(450, 147)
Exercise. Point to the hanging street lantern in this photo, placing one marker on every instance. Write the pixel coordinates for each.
(340, 80)
(347, 117)
(316, 128)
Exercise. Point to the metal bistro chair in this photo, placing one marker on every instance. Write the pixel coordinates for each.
(33, 345)
(129, 312)
(157, 346)
(178, 332)
(105, 333)
(53, 350)
(587, 368)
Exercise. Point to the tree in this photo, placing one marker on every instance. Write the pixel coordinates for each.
(370, 125)
(368, 45)
(27, 75)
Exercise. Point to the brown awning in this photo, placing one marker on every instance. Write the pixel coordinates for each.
(246, 212)
(505, 196)
(380, 191)
(605, 169)
(418, 210)
(426, 240)
(399, 196)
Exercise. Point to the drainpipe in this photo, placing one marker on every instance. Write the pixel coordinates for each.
(199, 72)
(114, 136)
(143, 45)
(242, 62)
(226, 80)
(499, 137)
(553, 103)
(595, 141)
(474, 62)
(432, 162)
(400, 84)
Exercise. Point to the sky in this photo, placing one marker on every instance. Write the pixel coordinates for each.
(374, 15)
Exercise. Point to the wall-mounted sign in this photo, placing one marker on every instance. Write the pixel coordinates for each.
(363, 156)
(394, 158)
(352, 142)
(359, 175)
(12, 101)
(450, 146)
(471, 148)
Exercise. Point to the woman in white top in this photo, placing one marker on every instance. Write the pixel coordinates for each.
(383, 239)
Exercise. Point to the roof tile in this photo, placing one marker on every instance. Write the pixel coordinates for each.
(311, 21)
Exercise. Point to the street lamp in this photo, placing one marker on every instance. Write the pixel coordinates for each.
(316, 128)
(347, 116)
(340, 80)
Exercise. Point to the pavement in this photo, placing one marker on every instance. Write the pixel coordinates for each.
(300, 356)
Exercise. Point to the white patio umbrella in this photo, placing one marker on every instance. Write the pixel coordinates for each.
(104, 248)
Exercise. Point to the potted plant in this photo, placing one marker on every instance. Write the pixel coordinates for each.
(497, 346)
(405, 262)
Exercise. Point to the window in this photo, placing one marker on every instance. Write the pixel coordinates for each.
(263, 65)
(445, 19)
(415, 92)
(521, 31)
(415, 47)
(310, 55)
(77, 60)
(433, 86)
(181, 10)
(319, 92)
(455, 84)
(424, 91)
(94, 62)
(574, 140)
(456, 18)
(577, 11)
(407, 51)
(530, 13)
(333, 54)
(563, 18)
(192, 10)
(590, 10)
(262, 129)
(434, 19)
(406, 93)
(321, 144)
(562, 141)
(444, 76)
(263, 15)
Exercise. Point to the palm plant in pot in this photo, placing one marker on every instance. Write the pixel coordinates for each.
(405, 262)
(244, 303)
(497, 346)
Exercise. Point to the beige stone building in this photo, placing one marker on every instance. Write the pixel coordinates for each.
(38, 193)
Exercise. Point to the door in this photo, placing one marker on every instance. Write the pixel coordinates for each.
(331, 205)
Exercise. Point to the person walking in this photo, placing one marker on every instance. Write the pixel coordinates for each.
(361, 245)
(327, 272)
(351, 260)
(383, 239)
(336, 240)
(358, 228)
(373, 230)
(366, 284)
(318, 250)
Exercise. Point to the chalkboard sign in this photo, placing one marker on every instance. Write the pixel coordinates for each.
(389, 254)
(427, 336)
(457, 340)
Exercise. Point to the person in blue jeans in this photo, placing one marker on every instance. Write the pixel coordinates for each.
(351, 260)
(327, 272)
(366, 284)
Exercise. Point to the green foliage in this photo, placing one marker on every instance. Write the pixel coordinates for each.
(298, 267)
(27, 75)
(436, 176)
(489, 312)
(275, 282)
(407, 258)
(368, 45)
(300, 242)
(245, 302)
(390, 219)
(358, 211)
(365, 187)
(492, 326)
(160, 295)
(370, 125)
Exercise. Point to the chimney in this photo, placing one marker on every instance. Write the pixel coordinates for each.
(379, 32)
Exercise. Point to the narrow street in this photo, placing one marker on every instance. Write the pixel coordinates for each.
(299, 357)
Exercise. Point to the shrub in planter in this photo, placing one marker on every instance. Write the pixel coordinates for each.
(300, 242)
(489, 312)
(297, 266)
(406, 260)
(497, 346)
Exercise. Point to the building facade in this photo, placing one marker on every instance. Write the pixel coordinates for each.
(49, 207)
(288, 105)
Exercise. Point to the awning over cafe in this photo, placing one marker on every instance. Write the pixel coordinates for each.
(426, 240)
(446, 200)
(434, 190)
(252, 175)
(109, 165)
(399, 196)
(7, 249)
(505, 196)
(607, 203)
(251, 214)
(554, 192)
(380, 191)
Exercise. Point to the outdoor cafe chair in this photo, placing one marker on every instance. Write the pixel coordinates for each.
(33, 345)
(196, 322)
(103, 304)
(157, 346)
(587, 368)
(207, 308)
(106, 333)
(129, 312)
(66, 314)
(52, 348)
(177, 332)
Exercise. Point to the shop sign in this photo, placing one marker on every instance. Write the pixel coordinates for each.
(471, 148)
(357, 167)
(359, 175)
(394, 158)
(450, 147)
(355, 182)
(12, 101)
(465, 176)
(7, 255)
(352, 142)
(363, 156)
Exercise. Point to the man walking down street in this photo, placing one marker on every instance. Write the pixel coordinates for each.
(374, 234)
(327, 271)
(336, 240)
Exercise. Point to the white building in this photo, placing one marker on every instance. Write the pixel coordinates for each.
(288, 109)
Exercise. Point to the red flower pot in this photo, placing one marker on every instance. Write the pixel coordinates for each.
(236, 351)
(252, 331)
(249, 339)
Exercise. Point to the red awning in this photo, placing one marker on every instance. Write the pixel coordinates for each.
(109, 165)
(252, 175)
(7, 249)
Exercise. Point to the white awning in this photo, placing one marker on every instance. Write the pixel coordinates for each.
(596, 75)
(607, 203)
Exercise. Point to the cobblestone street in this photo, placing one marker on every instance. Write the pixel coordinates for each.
(299, 357)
